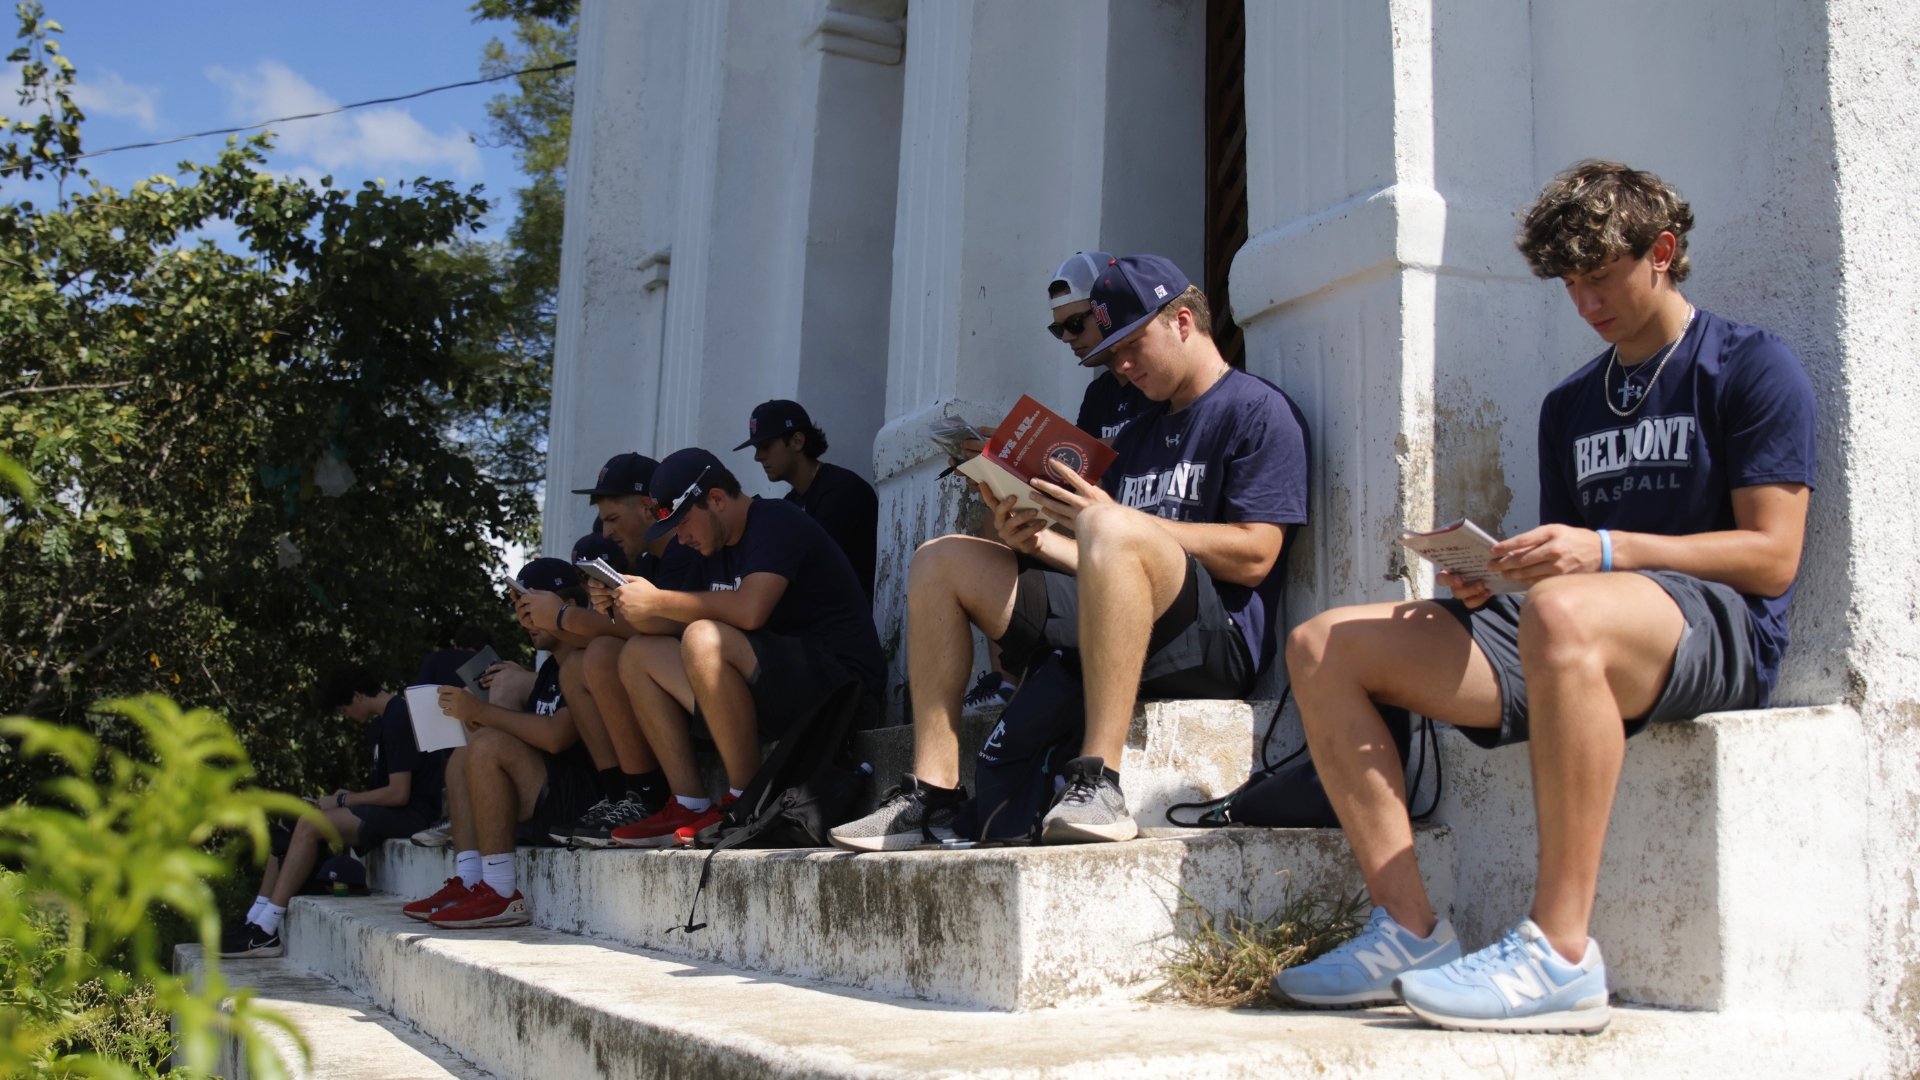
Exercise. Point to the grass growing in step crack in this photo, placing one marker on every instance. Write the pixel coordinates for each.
(1226, 959)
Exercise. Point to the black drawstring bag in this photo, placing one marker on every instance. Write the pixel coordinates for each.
(1289, 795)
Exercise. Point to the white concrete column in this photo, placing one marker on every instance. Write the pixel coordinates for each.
(620, 209)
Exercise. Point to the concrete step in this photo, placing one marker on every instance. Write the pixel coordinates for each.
(1177, 751)
(1004, 928)
(531, 1004)
(348, 1037)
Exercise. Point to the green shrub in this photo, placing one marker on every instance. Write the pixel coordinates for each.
(1226, 959)
(132, 839)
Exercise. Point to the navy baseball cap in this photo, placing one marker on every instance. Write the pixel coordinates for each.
(551, 575)
(598, 546)
(344, 868)
(1129, 291)
(775, 419)
(679, 482)
(623, 474)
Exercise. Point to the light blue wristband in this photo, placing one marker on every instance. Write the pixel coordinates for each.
(1606, 551)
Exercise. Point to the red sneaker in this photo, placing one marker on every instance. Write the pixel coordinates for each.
(452, 892)
(683, 836)
(659, 830)
(483, 908)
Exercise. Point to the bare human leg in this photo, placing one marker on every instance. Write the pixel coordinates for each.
(717, 660)
(956, 582)
(1130, 573)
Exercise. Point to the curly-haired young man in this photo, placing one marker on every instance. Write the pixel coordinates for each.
(1675, 470)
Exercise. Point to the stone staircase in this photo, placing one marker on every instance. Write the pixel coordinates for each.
(1034, 962)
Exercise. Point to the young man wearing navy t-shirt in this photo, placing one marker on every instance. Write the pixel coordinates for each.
(1168, 587)
(400, 799)
(1675, 470)
(772, 621)
(524, 771)
(788, 445)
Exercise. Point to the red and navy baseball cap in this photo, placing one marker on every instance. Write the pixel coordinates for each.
(681, 481)
(552, 575)
(773, 420)
(623, 474)
(1129, 291)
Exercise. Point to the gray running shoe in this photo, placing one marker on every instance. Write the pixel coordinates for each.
(1090, 810)
(908, 815)
(595, 827)
(438, 834)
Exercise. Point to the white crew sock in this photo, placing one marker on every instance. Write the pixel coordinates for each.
(698, 806)
(253, 913)
(497, 872)
(734, 791)
(269, 919)
(467, 865)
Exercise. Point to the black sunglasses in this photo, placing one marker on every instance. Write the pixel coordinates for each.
(691, 495)
(1072, 324)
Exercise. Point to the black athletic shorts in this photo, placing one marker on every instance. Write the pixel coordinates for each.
(791, 678)
(1713, 666)
(378, 824)
(569, 790)
(1195, 650)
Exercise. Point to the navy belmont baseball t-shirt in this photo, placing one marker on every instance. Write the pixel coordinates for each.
(823, 600)
(670, 568)
(1238, 453)
(1108, 406)
(1732, 409)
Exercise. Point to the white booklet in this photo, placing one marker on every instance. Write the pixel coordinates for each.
(1461, 548)
(433, 729)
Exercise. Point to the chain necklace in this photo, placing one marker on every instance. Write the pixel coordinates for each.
(1613, 355)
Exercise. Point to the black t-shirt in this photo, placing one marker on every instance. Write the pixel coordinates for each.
(394, 751)
(1238, 453)
(848, 509)
(823, 600)
(669, 569)
(1107, 406)
(442, 668)
(1733, 409)
(545, 698)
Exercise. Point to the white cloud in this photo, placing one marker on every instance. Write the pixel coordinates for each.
(107, 94)
(362, 139)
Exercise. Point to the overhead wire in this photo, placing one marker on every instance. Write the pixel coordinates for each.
(324, 112)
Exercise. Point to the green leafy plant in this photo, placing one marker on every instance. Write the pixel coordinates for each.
(120, 838)
(1227, 959)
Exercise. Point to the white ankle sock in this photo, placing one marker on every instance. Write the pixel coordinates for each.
(269, 918)
(734, 791)
(696, 805)
(253, 913)
(497, 872)
(467, 865)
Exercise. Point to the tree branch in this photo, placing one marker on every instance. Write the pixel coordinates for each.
(68, 386)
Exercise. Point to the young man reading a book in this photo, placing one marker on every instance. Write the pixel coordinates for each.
(1166, 587)
(787, 445)
(590, 674)
(524, 771)
(1675, 470)
(770, 623)
(392, 806)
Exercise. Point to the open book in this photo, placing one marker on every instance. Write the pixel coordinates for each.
(1461, 548)
(1021, 446)
(950, 433)
(432, 728)
(598, 570)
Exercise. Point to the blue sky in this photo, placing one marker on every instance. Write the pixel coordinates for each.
(150, 70)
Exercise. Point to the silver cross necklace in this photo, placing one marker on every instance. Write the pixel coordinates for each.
(1626, 381)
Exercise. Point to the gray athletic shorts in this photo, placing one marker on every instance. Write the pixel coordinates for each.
(1713, 666)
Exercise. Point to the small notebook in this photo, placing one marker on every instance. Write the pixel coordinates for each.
(433, 729)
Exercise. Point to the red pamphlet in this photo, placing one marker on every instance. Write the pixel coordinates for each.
(1023, 443)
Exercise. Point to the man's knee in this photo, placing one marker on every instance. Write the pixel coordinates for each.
(487, 747)
(601, 658)
(1555, 628)
(941, 563)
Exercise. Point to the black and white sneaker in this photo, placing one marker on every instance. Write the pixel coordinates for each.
(1090, 809)
(990, 691)
(595, 827)
(438, 834)
(909, 815)
(249, 942)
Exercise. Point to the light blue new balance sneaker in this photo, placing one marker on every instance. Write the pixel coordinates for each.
(1515, 984)
(1361, 972)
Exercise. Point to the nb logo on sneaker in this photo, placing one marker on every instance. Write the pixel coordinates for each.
(1381, 958)
(1524, 982)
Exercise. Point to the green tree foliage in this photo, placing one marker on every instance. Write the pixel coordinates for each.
(255, 459)
(131, 840)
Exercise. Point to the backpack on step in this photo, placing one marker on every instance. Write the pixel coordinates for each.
(1013, 779)
(809, 785)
